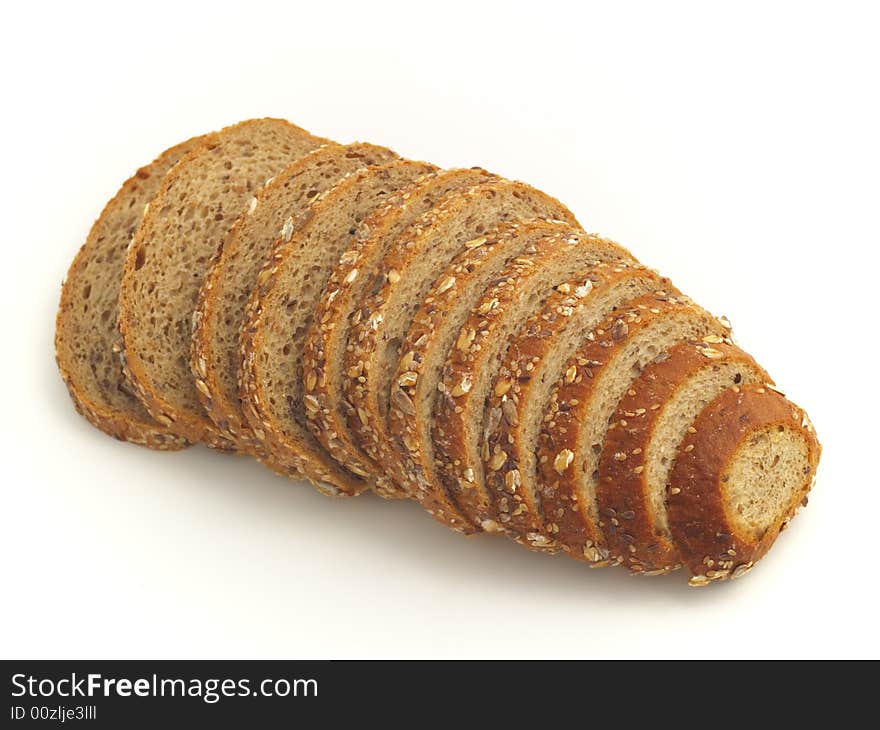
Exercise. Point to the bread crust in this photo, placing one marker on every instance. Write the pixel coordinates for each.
(133, 424)
(302, 454)
(623, 487)
(190, 426)
(710, 544)
(411, 434)
(521, 374)
(366, 420)
(227, 414)
(327, 340)
(457, 404)
(572, 524)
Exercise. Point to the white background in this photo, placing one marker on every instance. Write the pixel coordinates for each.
(735, 147)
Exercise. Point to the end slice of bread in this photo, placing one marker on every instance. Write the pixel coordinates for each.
(86, 338)
(219, 315)
(738, 480)
(650, 422)
(280, 312)
(188, 220)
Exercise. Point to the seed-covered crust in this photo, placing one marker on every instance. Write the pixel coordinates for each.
(566, 465)
(169, 257)
(358, 274)
(278, 316)
(711, 543)
(460, 418)
(623, 490)
(233, 274)
(536, 360)
(373, 346)
(86, 338)
(433, 333)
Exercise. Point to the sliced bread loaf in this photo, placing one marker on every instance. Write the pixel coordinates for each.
(187, 222)
(596, 379)
(435, 330)
(280, 311)
(425, 250)
(536, 361)
(274, 209)
(86, 347)
(461, 420)
(327, 340)
(650, 422)
(738, 479)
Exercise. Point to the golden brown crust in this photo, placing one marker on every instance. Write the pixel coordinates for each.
(224, 411)
(366, 419)
(458, 404)
(622, 492)
(327, 339)
(413, 464)
(191, 426)
(571, 522)
(132, 424)
(711, 545)
(522, 373)
(303, 453)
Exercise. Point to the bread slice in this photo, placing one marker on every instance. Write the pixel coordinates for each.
(650, 422)
(219, 315)
(86, 344)
(187, 222)
(738, 479)
(461, 419)
(571, 440)
(424, 252)
(327, 340)
(536, 361)
(425, 349)
(280, 311)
